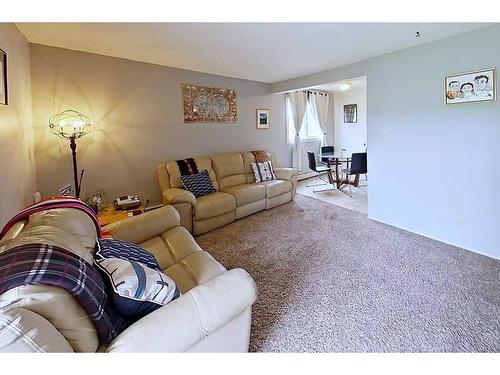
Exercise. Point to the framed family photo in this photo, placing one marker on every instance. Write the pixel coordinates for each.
(263, 119)
(3, 78)
(468, 87)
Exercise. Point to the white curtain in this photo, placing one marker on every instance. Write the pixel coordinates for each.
(319, 104)
(298, 104)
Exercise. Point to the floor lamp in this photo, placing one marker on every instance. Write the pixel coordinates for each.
(71, 125)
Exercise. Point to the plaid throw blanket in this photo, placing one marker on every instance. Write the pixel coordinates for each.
(187, 166)
(51, 265)
(59, 202)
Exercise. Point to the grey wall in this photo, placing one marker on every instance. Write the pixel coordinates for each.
(17, 171)
(137, 108)
(434, 169)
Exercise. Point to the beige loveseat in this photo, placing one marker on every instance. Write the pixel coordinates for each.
(213, 313)
(237, 195)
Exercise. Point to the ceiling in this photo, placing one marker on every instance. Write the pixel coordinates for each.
(357, 83)
(266, 52)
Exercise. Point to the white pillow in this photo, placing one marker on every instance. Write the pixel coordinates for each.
(263, 171)
(136, 290)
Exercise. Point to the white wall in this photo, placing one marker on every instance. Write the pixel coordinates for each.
(17, 168)
(434, 169)
(352, 137)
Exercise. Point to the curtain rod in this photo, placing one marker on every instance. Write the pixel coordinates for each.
(314, 92)
(309, 92)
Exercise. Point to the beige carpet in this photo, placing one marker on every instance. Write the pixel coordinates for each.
(331, 280)
(358, 202)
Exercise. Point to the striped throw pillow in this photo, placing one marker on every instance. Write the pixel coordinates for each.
(110, 248)
(263, 171)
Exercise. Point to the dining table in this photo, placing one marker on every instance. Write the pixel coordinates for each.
(338, 158)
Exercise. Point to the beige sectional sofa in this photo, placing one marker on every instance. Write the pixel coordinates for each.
(237, 194)
(213, 314)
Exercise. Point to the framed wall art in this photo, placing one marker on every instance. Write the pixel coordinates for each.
(472, 86)
(208, 104)
(350, 113)
(263, 118)
(4, 97)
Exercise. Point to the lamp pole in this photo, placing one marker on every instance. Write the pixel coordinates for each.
(72, 146)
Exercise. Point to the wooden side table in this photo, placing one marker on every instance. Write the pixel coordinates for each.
(109, 214)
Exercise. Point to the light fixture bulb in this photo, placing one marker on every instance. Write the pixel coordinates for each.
(70, 124)
(345, 86)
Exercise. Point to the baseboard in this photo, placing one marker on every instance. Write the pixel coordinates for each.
(434, 238)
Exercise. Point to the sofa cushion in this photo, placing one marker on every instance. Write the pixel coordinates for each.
(204, 226)
(109, 248)
(248, 159)
(156, 246)
(182, 259)
(23, 331)
(277, 187)
(202, 163)
(13, 232)
(60, 308)
(76, 222)
(229, 169)
(199, 184)
(246, 193)
(51, 235)
(214, 204)
(135, 289)
(140, 228)
(193, 270)
(171, 247)
(68, 228)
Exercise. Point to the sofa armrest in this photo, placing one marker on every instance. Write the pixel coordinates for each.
(285, 173)
(193, 316)
(140, 228)
(176, 195)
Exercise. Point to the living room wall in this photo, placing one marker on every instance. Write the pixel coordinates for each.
(17, 170)
(434, 168)
(137, 109)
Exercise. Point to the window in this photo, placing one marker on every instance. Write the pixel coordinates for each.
(310, 126)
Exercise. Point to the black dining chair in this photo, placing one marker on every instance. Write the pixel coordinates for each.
(311, 157)
(358, 166)
(324, 150)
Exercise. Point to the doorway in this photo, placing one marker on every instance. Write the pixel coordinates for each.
(347, 133)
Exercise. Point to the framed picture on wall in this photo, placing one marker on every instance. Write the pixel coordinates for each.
(472, 86)
(4, 99)
(209, 104)
(263, 119)
(350, 113)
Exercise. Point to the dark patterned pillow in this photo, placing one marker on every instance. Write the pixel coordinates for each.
(135, 289)
(199, 184)
(108, 248)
